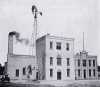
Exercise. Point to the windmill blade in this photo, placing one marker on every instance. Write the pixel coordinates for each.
(34, 8)
(41, 13)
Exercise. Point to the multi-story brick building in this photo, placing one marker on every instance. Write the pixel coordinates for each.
(55, 56)
(85, 66)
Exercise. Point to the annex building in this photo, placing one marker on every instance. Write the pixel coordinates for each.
(85, 66)
(19, 67)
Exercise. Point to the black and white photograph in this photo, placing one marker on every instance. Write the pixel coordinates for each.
(49, 43)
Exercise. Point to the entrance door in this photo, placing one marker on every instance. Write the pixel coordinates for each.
(58, 75)
(84, 74)
(37, 76)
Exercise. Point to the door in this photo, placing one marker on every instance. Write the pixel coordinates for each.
(58, 75)
(84, 74)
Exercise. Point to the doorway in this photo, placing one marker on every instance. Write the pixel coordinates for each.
(84, 74)
(59, 75)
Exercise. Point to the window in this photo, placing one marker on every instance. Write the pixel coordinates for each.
(58, 46)
(17, 72)
(89, 72)
(51, 45)
(78, 62)
(67, 46)
(84, 63)
(58, 61)
(30, 69)
(51, 60)
(93, 72)
(68, 61)
(93, 62)
(24, 71)
(51, 72)
(89, 62)
(68, 72)
(78, 72)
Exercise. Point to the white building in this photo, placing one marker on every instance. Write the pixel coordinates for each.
(55, 57)
(85, 66)
(19, 67)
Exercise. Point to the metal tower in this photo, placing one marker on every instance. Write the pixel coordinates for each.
(34, 33)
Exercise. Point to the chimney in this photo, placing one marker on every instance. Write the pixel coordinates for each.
(10, 43)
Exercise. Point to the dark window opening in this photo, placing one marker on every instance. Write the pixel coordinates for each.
(58, 46)
(89, 62)
(90, 72)
(68, 61)
(93, 62)
(93, 72)
(67, 46)
(24, 71)
(78, 72)
(17, 72)
(51, 72)
(78, 62)
(58, 61)
(51, 45)
(51, 60)
(68, 72)
(84, 63)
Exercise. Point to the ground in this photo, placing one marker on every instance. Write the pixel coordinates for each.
(74, 84)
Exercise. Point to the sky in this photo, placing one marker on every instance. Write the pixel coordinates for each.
(66, 18)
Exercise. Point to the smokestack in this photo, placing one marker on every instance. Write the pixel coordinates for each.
(10, 43)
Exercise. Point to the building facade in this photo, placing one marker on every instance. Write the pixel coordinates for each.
(20, 67)
(85, 66)
(55, 57)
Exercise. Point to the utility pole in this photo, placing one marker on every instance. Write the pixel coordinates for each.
(83, 42)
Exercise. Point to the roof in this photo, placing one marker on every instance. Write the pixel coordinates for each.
(52, 36)
(22, 56)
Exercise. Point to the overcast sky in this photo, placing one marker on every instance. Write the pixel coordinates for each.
(67, 18)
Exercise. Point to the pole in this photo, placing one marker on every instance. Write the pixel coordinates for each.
(83, 41)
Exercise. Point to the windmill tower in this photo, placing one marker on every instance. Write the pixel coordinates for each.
(34, 36)
(34, 33)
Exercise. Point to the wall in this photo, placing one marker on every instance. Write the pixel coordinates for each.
(64, 54)
(18, 62)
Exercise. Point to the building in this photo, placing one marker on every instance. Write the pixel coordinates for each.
(19, 67)
(98, 72)
(55, 58)
(85, 66)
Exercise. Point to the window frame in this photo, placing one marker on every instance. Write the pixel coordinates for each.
(17, 72)
(79, 72)
(59, 61)
(24, 71)
(84, 62)
(78, 62)
(89, 63)
(51, 72)
(67, 46)
(68, 61)
(51, 44)
(58, 45)
(90, 73)
(68, 72)
(51, 60)
(94, 63)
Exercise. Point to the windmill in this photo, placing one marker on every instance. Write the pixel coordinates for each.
(34, 38)
(34, 33)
